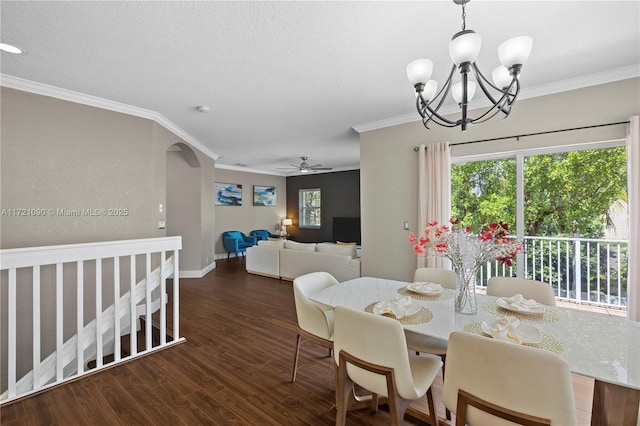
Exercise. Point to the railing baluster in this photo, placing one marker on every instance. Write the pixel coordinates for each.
(116, 308)
(558, 271)
(59, 323)
(36, 327)
(588, 271)
(148, 304)
(163, 306)
(133, 318)
(599, 273)
(619, 278)
(578, 273)
(99, 351)
(608, 273)
(176, 295)
(12, 326)
(567, 280)
(80, 316)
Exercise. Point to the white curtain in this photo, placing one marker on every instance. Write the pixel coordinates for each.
(434, 193)
(633, 190)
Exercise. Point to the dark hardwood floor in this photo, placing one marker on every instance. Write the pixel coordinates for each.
(233, 370)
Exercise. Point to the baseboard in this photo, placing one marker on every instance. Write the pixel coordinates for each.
(199, 274)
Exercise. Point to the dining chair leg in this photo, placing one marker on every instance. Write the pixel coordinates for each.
(295, 359)
(447, 412)
(344, 387)
(433, 416)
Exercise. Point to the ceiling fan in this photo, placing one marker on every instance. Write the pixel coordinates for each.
(304, 167)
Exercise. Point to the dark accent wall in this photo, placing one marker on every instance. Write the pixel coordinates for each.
(340, 192)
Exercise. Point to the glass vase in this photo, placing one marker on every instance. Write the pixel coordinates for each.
(465, 296)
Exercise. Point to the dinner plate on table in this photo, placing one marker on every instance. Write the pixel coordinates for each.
(504, 304)
(425, 288)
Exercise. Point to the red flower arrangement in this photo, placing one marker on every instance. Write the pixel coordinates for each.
(463, 247)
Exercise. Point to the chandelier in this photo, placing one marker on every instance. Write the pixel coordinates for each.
(464, 49)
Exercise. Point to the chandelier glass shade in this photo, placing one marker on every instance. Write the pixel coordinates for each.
(464, 48)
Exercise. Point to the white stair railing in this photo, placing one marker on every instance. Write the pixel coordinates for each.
(69, 359)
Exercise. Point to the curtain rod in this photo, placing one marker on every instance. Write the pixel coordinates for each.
(517, 137)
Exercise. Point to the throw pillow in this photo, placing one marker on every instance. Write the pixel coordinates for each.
(341, 243)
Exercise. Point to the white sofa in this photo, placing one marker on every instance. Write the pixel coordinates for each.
(288, 259)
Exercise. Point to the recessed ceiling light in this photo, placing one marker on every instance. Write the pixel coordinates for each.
(9, 48)
(203, 109)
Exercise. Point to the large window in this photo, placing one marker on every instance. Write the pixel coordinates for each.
(569, 208)
(310, 206)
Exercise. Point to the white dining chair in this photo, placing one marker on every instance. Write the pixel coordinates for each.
(371, 351)
(490, 382)
(427, 344)
(530, 289)
(315, 320)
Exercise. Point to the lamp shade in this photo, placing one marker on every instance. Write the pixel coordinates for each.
(429, 91)
(465, 47)
(419, 71)
(501, 77)
(456, 91)
(515, 51)
(287, 222)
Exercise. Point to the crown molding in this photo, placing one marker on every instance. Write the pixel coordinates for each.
(595, 79)
(94, 101)
(247, 170)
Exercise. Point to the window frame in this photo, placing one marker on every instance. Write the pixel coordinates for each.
(302, 209)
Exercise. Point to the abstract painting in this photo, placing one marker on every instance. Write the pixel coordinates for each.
(228, 194)
(264, 195)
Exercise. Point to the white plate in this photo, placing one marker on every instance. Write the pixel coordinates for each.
(418, 287)
(528, 333)
(538, 309)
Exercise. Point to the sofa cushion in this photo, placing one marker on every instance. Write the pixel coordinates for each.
(338, 249)
(300, 246)
(270, 243)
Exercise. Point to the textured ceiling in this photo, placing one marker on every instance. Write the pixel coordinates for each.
(291, 79)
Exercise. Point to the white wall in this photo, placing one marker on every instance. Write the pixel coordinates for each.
(389, 163)
(248, 217)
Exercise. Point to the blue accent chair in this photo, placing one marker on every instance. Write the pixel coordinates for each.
(263, 234)
(236, 242)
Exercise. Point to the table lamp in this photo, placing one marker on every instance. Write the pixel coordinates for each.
(285, 222)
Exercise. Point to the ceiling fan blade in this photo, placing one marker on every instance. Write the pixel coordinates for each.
(321, 168)
(314, 166)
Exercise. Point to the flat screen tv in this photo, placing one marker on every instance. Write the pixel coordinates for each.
(346, 229)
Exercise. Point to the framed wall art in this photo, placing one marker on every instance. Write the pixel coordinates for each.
(264, 195)
(228, 194)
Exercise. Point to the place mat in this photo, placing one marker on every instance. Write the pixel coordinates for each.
(546, 317)
(548, 342)
(445, 295)
(423, 316)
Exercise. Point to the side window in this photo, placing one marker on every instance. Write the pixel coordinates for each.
(309, 208)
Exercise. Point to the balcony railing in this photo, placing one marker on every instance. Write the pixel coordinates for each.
(67, 306)
(580, 270)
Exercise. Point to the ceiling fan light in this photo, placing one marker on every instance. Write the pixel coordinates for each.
(515, 51)
(501, 77)
(456, 91)
(304, 170)
(464, 47)
(419, 71)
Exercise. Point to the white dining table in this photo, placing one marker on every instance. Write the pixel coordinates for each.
(605, 348)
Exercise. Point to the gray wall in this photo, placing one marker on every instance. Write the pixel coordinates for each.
(389, 164)
(62, 156)
(248, 217)
(340, 192)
